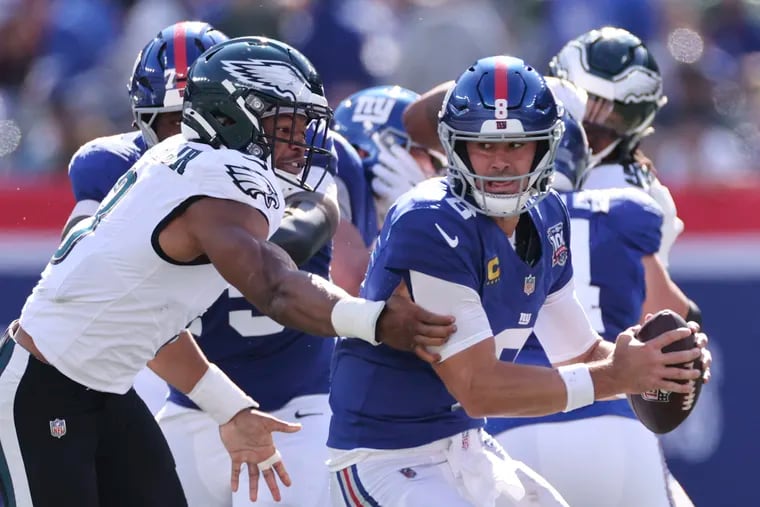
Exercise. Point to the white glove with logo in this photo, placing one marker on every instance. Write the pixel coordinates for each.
(672, 226)
(395, 173)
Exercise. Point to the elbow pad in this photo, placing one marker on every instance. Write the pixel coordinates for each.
(310, 221)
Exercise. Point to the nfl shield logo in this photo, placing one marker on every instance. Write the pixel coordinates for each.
(656, 395)
(58, 427)
(529, 287)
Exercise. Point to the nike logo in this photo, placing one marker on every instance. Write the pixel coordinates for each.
(453, 242)
(301, 415)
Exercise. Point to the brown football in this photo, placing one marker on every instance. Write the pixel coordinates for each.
(662, 411)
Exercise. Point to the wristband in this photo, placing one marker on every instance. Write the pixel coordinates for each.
(579, 385)
(356, 318)
(219, 397)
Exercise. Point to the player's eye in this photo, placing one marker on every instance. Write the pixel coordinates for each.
(485, 146)
(516, 146)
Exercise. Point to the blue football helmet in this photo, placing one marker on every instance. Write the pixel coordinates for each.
(500, 99)
(572, 162)
(375, 110)
(159, 75)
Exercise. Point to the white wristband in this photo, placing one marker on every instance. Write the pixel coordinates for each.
(356, 318)
(579, 385)
(218, 396)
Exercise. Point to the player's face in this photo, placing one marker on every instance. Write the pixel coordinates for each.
(599, 136)
(167, 124)
(287, 156)
(501, 159)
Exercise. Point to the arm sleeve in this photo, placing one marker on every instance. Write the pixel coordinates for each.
(462, 302)
(562, 326)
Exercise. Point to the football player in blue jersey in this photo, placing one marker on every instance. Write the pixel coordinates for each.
(598, 455)
(490, 245)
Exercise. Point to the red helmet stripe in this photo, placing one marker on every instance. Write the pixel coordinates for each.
(180, 54)
(500, 79)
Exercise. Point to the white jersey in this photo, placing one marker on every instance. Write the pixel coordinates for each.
(110, 297)
(632, 175)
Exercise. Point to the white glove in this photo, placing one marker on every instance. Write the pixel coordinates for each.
(395, 173)
(672, 226)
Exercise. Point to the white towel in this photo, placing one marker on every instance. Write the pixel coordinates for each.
(483, 469)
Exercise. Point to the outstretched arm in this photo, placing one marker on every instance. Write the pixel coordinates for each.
(233, 236)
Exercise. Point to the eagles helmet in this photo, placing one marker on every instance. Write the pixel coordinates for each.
(375, 110)
(621, 77)
(237, 83)
(500, 99)
(160, 71)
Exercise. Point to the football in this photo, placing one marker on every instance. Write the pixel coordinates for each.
(662, 411)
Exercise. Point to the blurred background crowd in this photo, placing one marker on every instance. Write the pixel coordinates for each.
(64, 64)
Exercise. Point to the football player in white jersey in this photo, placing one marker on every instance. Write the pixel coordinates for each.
(191, 216)
(624, 88)
(155, 95)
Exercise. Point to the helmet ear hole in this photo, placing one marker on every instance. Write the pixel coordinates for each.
(224, 119)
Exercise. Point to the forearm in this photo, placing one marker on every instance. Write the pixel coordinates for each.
(350, 258)
(516, 390)
(180, 363)
(421, 117)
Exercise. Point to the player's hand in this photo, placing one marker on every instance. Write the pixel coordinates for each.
(248, 439)
(395, 173)
(702, 340)
(639, 367)
(404, 325)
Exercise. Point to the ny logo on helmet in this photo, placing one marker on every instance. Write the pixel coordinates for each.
(373, 109)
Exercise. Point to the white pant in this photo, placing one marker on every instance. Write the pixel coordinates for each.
(203, 464)
(606, 461)
(426, 477)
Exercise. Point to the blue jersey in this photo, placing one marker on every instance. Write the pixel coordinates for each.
(97, 165)
(612, 230)
(355, 177)
(387, 399)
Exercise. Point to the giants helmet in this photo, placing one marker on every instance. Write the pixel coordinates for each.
(374, 110)
(160, 71)
(500, 99)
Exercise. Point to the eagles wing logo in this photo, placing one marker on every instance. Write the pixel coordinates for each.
(273, 75)
(255, 184)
